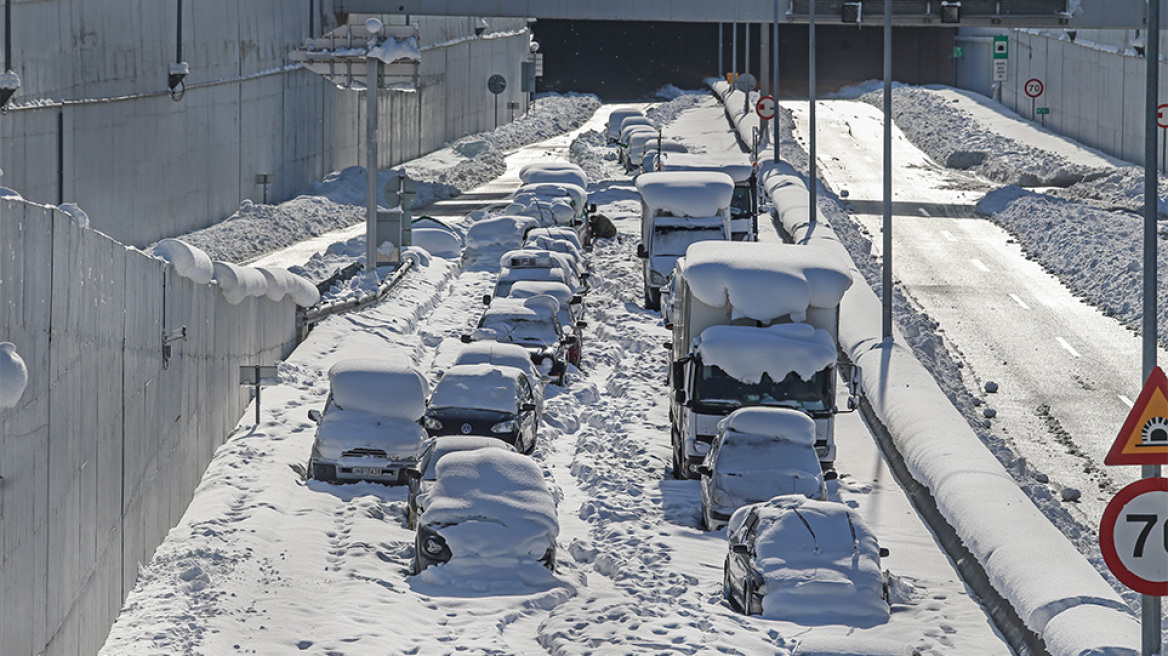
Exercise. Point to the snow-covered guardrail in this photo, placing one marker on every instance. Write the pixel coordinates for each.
(1053, 590)
(306, 318)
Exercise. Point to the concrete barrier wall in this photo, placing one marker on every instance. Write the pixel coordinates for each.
(100, 457)
(94, 123)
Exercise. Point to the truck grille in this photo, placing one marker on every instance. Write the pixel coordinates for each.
(364, 453)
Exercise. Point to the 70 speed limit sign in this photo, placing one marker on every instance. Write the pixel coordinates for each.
(1133, 536)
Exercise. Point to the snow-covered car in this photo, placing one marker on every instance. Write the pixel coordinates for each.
(627, 134)
(574, 255)
(612, 127)
(757, 454)
(505, 355)
(807, 561)
(504, 230)
(489, 507)
(564, 234)
(422, 476)
(532, 323)
(557, 204)
(532, 264)
(370, 429)
(571, 309)
(487, 400)
(436, 237)
(554, 172)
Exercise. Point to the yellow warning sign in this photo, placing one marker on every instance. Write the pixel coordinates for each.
(1143, 440)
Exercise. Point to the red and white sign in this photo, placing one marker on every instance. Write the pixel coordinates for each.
(1133, 536)
(1143, 440)
(1162, 115)
(1033, 87)
(765, 107)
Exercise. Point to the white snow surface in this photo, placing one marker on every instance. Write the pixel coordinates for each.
(477, 387)
(437, 242)
(779, 423)
(746, 353)
(554, 172)
(686, 193)
(13, 375)
(393, 50)
(379, 386)
(188, 261)
(766, 281)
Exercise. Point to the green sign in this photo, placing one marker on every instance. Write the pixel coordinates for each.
(1001, 47)
(1042, 110)
(958, 52)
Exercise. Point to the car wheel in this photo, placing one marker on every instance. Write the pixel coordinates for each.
(707, 521)
(728, 586)
(678, 462)
(748, 596)
(652, 299)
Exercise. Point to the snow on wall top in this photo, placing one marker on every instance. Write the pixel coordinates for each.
(13, 375)
(746, 353)
(188, 261)
(555, 172)
(383, 387)
(686, 193)
(780, 423)
(765, 281)
(477, 387)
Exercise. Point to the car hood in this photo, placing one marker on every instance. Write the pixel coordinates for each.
(345, 430)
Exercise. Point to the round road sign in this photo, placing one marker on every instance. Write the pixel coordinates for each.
(496, 83)
(745, 82)
(765, 107)
(1033, 87)
(1162, 115)
(1133, 536)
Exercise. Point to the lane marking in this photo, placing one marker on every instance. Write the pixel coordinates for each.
(1020, 301)
(948, 235)
(978, 263)
(1126, 401)
(1063, 343)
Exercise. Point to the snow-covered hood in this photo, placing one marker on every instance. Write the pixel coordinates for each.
(346, 430)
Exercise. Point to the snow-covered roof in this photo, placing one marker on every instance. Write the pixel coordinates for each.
(437, 242)
(634, 120)
(342, 430)
(685, 193)
(574, 192)
(382, 387)
(745, 353)
(688, 162)
(491, 503)
(819, 561)
(505, 230)
(530, 288)
(554, 172)
(783, 424)
(563, 234)
(477, 386)
(443, 445)
(527, 258)
(766, 281)
(498, 354)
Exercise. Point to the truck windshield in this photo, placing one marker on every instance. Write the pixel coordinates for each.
(740, 205)
(673, 240)
(718, 393)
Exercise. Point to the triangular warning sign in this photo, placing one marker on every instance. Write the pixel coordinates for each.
(1143, 440)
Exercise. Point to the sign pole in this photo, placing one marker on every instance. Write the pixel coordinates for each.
(775, 77)
(373, 68)
(812, 175)
(887, 224)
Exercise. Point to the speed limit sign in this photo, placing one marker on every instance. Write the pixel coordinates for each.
(1133, 536)
(1033, 87)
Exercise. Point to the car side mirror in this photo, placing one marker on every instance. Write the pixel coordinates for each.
(679, 396)
(678, 376)
(527, 407)
(641, 252)
(413, 474)
(585, 276)
(883, 552)
(668, 346)
(314, 416)
(569, 339)
(740, 548)
(704, 471)
(830, 475)
(487, 299)
(576, 300)
(465, 338)
(581, 324)
(591, 208)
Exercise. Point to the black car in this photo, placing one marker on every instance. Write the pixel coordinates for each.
(483, 399)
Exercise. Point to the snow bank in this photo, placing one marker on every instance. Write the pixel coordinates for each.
(813, 554)
(777, 423)
(188, 261)
(505, 230)
(554, 172)
(13, 375)
(477, 387)
(494, 503)
(382, 387)
(765, 281)
(686, 193)
(745, 353)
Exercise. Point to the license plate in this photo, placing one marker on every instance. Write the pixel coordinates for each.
(367, 471)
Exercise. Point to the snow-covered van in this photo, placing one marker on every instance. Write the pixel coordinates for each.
(679, 209)
(754, 324)
(612, 128)
(743, 205)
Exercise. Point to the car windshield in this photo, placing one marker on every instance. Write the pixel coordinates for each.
(740, 206)
(673, 240)
(537, 331)
(717, 392)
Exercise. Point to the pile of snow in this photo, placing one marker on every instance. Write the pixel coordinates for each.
(686, 193)
(188, 261)
(395, 50)
(813, 554)
(745, 353)
(477, 387)
(504, 230)
(13, 375)
(494, 506)
(239, 282)
(382, 387)
(765, 281)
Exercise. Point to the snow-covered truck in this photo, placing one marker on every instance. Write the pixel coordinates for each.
(754, 324)
(678, 209)
(744, 203)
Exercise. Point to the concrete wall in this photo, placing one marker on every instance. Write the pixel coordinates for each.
(101, 455)
(93, 122)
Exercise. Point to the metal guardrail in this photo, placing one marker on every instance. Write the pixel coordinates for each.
(308, 317)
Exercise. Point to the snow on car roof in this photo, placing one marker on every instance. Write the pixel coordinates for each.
(765, 281)
(477, 387)
(489, 503)
(617, 116)
(344, 430)
(382, 387)
(754, 468)
(496, 353)
(785, 424)
(504, 230)
(527, 258)
(563, 234)
(686, 193)
(813, 555)
(574, 192)
(533, 306)
(553, 172)
(444, 445)
(531, 288)
(745, 353)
